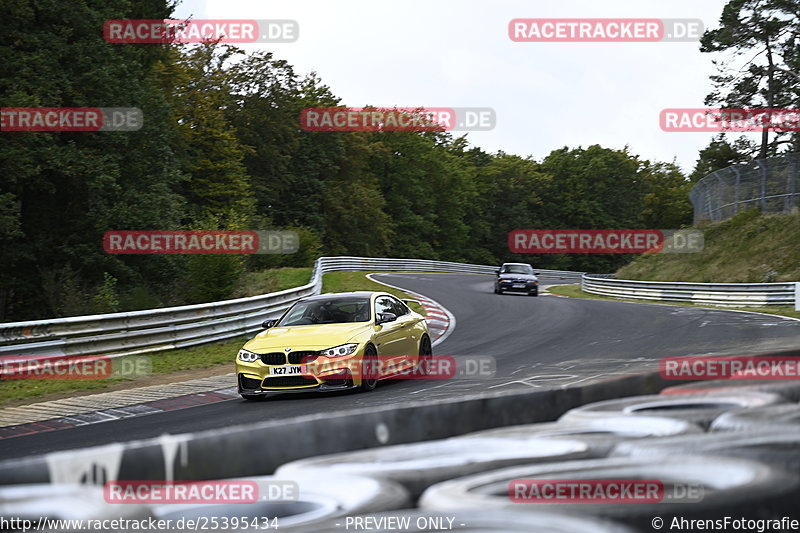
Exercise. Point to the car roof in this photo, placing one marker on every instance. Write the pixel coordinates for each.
(521, 264)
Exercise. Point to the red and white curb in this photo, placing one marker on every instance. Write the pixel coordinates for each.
(107, 406)
(441, 322)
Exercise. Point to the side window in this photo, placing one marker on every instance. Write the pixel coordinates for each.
(383, 305)
(399, 308)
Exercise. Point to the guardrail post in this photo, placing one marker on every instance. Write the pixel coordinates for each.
(797, 296)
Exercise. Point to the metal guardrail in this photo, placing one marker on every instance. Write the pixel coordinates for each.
(724, 294)
(177, 327)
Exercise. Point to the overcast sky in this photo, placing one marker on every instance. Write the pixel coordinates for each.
(457, 53)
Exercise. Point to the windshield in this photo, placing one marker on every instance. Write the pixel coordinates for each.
(333, 311)
(516, 269)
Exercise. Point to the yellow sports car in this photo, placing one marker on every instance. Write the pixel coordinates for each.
(334, 342)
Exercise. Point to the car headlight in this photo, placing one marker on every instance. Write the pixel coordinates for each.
(339, 351)
(247, 356)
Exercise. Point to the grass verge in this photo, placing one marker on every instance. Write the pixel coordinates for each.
(272, 280)
(167, 367)
(748, 248)
(574, 291)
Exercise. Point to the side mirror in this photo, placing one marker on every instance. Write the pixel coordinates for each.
(535, 273)
(410, 301)
(385, 317)
(497, 272)
(268, 324)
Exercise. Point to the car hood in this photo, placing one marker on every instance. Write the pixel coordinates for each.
(319, 336)
(526, 277)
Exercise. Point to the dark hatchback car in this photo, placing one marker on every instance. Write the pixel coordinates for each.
(516, 277)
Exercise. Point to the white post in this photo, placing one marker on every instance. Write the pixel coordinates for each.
(797, 296)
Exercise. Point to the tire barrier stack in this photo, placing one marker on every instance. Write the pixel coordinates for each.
(739, 446)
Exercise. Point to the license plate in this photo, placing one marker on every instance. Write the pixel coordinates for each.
(518, 286)
(284, 370)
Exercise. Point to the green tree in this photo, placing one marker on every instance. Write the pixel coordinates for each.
(766, 33)
(720, 154)
(65, 189)
(666, 203)
(200, 89)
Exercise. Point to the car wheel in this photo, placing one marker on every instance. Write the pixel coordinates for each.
(253, 397)
(425, 354)
(497, 290)
(534, 293)
(369, 363)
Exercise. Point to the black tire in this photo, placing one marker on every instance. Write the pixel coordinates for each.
(317, 504)
(768, 418)
(780, 448)
(425, 355)
(601, 435)
(497, 290)
(419, 465)
(368, 381)
(253, 397)
(700, 409)
(746, 488)
(534, 293)
(66, 501)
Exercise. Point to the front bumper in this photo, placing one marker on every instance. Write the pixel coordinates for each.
(509, 286)
(331, 374)
(250, 385)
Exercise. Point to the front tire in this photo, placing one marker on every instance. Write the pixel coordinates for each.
(369, 364)
(425, 355)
